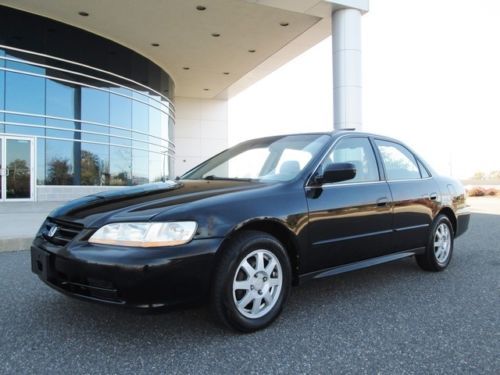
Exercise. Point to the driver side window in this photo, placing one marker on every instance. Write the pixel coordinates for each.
(358, 151)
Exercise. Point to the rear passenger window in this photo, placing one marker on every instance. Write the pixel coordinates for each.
(358, 151)
(399, 163)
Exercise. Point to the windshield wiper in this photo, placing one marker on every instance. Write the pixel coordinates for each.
(213, 177)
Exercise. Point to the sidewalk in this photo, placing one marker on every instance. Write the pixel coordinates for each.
(19, 222)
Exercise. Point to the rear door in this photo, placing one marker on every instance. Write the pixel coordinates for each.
(414, 192)
(352, 220)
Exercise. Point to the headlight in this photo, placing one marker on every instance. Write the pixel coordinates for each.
(145, 234)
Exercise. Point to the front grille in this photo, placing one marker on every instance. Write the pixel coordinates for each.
(61, 232)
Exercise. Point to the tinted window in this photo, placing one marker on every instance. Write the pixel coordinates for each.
(359, 152)
(24, 93)
(120, 165)
(121, 117)
(95, 108)
(60, 162)
(399, 163)
(94, 164)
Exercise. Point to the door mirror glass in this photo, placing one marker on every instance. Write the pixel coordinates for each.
(337, 172)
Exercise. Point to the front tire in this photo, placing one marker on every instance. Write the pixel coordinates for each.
(251, 282)
(439, 248)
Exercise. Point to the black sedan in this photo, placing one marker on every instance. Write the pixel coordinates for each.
(243, 227)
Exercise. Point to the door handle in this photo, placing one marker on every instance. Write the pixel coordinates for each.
(433, 196)
(382, 202)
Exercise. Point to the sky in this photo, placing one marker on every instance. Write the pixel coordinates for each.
(431, 78)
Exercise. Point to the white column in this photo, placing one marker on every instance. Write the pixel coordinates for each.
(346, 49)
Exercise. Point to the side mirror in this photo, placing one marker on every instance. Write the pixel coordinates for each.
(337, 172)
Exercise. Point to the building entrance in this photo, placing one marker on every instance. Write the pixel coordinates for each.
(16, 168)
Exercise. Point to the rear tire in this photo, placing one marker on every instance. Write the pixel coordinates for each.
(439, 248)
(252, 281)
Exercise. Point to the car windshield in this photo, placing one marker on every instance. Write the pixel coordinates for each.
(267, 159)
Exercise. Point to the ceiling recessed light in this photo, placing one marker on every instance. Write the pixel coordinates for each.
(206, 89)
(251, 50)
(185, 67)
(155, 44)
(83, 14)
(215, 35)
(201, 8)
(226, 73)
(284, 24)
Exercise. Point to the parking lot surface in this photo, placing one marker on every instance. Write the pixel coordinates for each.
(390, 319)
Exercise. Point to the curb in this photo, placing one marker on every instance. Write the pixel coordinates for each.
(15, 244)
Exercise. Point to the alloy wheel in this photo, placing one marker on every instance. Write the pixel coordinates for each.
(257, 284)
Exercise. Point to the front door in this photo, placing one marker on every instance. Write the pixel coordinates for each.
(16, 168)
(349, 221)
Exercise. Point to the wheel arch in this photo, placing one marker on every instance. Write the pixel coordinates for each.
(448, 212)
(276, 229)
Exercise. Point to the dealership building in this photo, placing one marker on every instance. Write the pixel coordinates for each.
(98, 95)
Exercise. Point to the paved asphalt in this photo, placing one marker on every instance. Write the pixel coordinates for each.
(390, 319)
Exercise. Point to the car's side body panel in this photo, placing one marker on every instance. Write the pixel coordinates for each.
(347, 223)
(416, 203)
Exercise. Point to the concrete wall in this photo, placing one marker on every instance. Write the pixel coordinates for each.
(201, 131)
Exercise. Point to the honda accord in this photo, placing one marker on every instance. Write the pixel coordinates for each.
(241, 228)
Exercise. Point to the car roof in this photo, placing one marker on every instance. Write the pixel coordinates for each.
(333, 134)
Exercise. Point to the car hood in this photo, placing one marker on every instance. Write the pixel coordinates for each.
(144, 202)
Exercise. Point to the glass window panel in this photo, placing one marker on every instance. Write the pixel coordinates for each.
(94, 164)
(164, 133)
(155, 101)
(61, 99)
(34, 125)
(40, 161)
(140, 167)
(121, 109)
(2, 90)
(357, 151)
(141, 97)
(121, 116)
(94, 133)
(120, 166)
(60, 133)
(95, 107)
(24, 67)
(399, 163)
(17, 87)
(60, 162)
(140, 117)
(156, 164)
(155, 124)
(18, 163)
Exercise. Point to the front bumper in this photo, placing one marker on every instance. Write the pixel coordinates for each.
(134, 277)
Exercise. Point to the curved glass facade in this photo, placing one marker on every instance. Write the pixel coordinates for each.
(100, 113)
